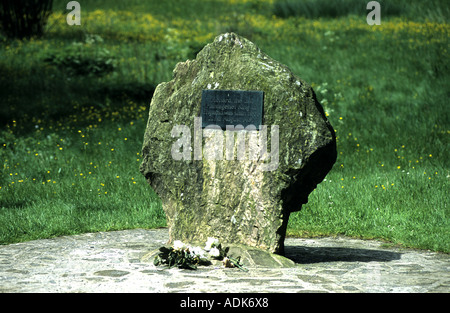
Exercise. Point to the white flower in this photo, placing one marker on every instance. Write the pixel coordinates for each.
(214, 252)
(211, 242)
(178, 245)
(197, 251)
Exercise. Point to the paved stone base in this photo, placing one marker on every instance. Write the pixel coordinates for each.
(113, 262)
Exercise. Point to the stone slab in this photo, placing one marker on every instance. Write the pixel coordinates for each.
(112, 262)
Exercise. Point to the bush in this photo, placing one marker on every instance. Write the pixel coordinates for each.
(331, 9)
(84, 58)
(24, 18)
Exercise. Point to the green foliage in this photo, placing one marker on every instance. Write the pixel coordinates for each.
(24, 18)
(84, 58)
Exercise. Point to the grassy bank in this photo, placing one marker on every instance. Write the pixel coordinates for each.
(74, 107)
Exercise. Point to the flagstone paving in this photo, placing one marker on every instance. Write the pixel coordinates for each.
(113, 262)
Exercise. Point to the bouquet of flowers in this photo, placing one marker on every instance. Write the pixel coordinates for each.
(188, 257)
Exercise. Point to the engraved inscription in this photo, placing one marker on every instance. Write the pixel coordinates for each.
(231, 107)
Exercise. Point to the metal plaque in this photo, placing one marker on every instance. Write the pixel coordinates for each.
(232, 107)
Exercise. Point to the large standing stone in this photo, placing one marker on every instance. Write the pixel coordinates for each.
(246, 201)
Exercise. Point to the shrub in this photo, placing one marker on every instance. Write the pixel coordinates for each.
(24, 18)
(84, 58)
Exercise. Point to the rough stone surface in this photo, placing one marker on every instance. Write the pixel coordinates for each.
(236, 201)
(113, 262)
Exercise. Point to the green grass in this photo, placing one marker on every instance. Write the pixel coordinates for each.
(332, 9)
(437, 10)
(71, 129)
(84, 179)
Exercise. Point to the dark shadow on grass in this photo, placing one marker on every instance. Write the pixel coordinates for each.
(15, 204)
(48, 94)
(311, 255)
(314, 9)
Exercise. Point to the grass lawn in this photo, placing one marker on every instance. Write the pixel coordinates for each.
(74, 107)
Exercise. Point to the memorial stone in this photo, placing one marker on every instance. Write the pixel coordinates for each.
(216, 172)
